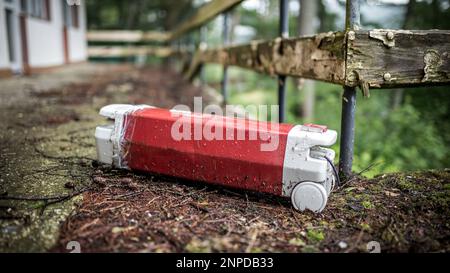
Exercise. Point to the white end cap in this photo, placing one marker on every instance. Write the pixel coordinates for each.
(108, 137)
(309, 195)
(103, 139)
(318, 138)
(112, 110)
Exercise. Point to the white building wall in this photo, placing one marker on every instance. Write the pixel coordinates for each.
(4, 59)
(45, 38)
(77, 38)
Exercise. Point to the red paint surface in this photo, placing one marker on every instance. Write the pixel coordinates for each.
(149, 146)
(322, 128)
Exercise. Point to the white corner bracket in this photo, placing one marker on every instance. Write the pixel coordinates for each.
(308, 177)
(109, 137)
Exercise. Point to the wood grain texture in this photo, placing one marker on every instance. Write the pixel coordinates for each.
(398, 58)
(379, 58)
(320, 57)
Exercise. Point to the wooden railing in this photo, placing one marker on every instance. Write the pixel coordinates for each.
(202, 16)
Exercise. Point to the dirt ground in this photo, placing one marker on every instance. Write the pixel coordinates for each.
(53, 192)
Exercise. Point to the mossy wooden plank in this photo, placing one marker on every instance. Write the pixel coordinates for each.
(398, 58)
(320, 57)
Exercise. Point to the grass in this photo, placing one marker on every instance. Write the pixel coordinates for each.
(315, 236)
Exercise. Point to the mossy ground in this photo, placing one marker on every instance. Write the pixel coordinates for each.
(47, 149)
(138, 212)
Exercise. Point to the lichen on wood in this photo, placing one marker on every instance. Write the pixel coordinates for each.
(410, 58)
(433, 63)
(369, 59)
(319, 57)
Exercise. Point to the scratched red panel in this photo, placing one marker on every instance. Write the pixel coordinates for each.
(149, 146)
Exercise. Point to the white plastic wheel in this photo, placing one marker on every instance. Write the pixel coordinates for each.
(309, 195)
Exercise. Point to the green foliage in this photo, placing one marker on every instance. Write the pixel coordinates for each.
(367, 204)
(315, 236)
(434, 14)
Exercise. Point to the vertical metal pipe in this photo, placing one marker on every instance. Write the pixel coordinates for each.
(284, 33)
(226, 41)
(191, 43)
(281, 98)
(347, 131)
(202, 45)
(352, 22)
(352, 16)
(284, 18)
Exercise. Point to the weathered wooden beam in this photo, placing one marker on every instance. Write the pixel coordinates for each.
(320, 57)
(126, 36)
(127, 51)
(398, 58)
(372, 59)
(202, 15)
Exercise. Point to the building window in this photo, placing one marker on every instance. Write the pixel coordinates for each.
(37, 8)
(75, 16)
(24, 6)
(71, 15)
(10, 35)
